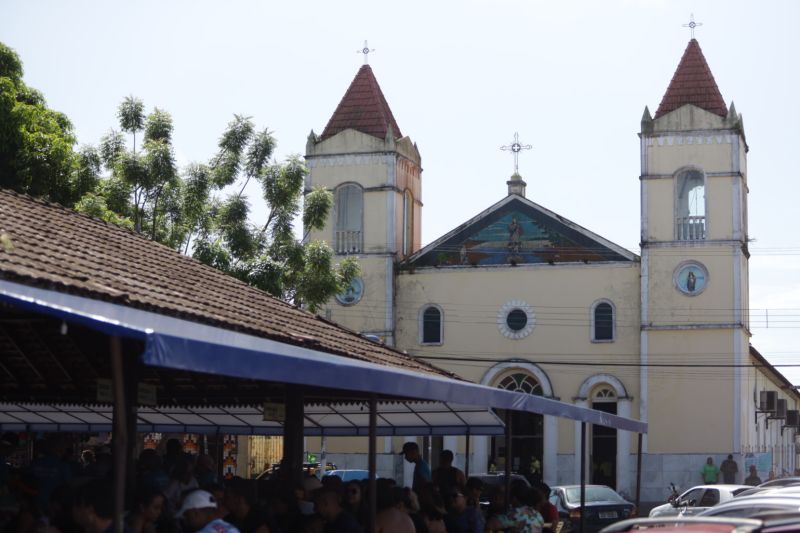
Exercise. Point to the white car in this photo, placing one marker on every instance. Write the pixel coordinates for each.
(698, 499)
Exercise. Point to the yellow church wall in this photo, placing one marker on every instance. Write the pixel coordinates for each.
(670, 306)
(370, 313)
(660, 209)
(693, 407)
(719, 207)
(349, 141)
(704, 152)
(561, 297)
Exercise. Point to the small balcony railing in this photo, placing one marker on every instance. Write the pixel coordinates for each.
(348, 242)
(691, 228)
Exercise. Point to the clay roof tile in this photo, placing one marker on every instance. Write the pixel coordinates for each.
(363, 108)
(693, 83)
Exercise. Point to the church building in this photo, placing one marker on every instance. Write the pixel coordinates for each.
(536, 303)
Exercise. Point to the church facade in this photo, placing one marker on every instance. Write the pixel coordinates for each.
(522, 298)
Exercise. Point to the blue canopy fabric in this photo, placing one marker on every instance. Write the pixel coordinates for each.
(184, 345)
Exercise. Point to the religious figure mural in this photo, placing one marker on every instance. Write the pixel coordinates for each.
(514, 236)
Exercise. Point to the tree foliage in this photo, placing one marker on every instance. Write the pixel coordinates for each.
(37, 154)
(204, 210)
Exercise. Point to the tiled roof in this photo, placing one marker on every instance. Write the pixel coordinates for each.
(693, 84)
(363, 108)
(59, 249)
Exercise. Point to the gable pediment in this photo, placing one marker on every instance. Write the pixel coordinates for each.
(516, 231)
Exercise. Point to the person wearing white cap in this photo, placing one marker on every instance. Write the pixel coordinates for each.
(199, 512)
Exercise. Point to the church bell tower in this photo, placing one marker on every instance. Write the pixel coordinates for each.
(694, 282)
(374, 173)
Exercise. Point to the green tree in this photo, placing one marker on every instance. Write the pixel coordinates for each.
(36, 142)
(269, 256)
(204, 211)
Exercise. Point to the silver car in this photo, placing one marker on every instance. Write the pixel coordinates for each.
(698, 499)
(786, 499)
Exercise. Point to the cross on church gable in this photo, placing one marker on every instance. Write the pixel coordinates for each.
(515, 149)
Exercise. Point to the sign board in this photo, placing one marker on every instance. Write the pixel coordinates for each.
(146, 393)
(762, 461)
(274, 412)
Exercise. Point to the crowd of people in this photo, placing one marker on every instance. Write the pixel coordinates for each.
(180, 493)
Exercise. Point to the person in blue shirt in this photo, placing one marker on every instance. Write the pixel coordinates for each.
(422, 470)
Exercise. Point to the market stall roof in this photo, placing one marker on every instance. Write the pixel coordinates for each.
(333, 419)
(192, 320)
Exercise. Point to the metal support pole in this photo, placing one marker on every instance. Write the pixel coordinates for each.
(638, 470)
(293, 434)
(466, 457)
(120, 435)
(508, 459)
(373, 463)
(583, 478)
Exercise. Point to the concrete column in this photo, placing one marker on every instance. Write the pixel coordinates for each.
(625, 481)
(480, 455)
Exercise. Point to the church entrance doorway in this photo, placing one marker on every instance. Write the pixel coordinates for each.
(527, 432)
(604, 441)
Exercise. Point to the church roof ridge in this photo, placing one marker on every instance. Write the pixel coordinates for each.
(693, 83)
(363, 108)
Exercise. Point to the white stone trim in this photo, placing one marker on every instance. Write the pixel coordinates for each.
(346, 160)
(643, 339)
(676, 177)
(421, 324)
(681, 266)
(490, 376)
(389, 282)
(738, 350)
(597, 379)
(592, 330)
(502, 315)
(689, 139)
(550, 423)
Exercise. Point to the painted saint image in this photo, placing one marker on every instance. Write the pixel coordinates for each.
(691, 281)
(514, 236)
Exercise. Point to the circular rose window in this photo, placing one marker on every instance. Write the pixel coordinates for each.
(515, 319)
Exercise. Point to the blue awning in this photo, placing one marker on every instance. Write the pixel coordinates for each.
(184, 345)
(330, 420)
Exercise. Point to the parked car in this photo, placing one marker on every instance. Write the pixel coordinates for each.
(770, 489)
(308, 468)
(700, 524)
(749, 506)
(697, 499)
(603, 506)
(494, 485)
(349, 474)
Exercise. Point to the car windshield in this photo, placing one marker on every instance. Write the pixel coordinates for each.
(593, 494)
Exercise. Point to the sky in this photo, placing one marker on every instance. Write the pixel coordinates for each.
(461, 77)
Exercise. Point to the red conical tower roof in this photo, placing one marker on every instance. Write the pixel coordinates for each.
(693, 84)
(363, 108)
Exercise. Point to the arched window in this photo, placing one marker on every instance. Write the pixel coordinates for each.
(521, 382)
(604, 394)
(690, 206)
(431, 327)
(603, 321)
(408, 223)
(349, 216)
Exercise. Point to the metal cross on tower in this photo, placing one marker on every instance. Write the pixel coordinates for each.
(515, 149)
(692, 24)
(366, 51)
